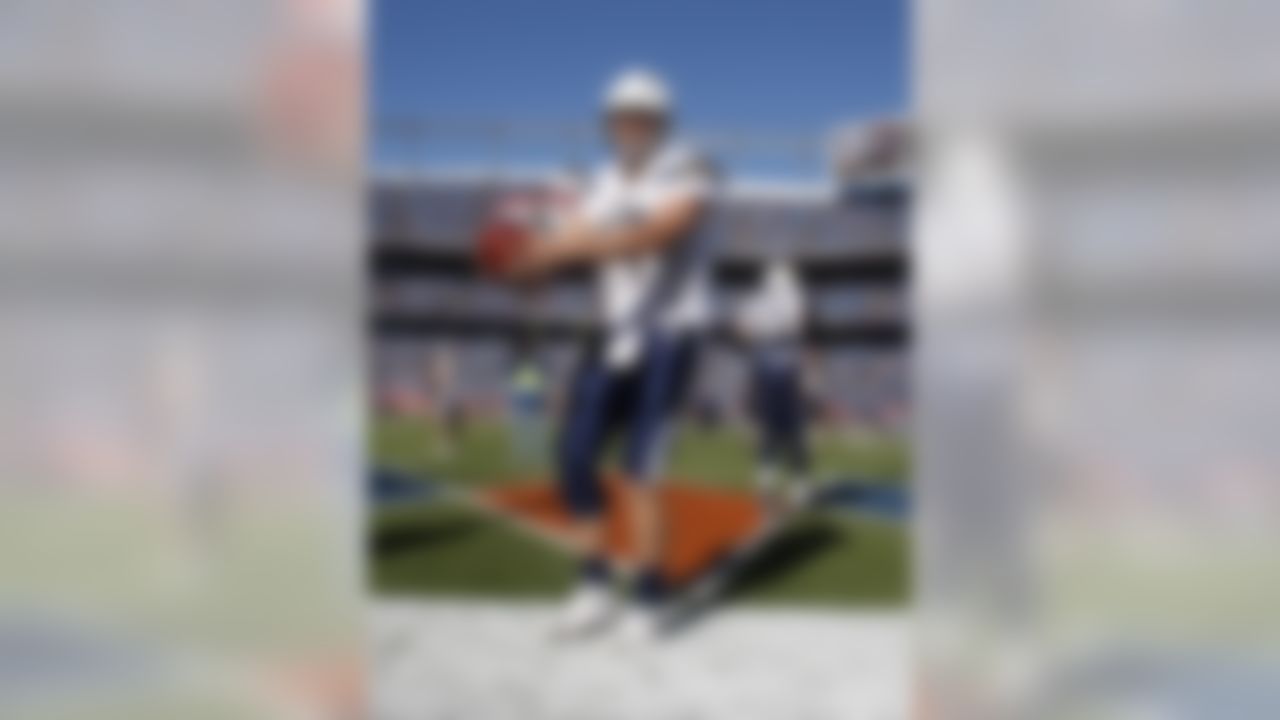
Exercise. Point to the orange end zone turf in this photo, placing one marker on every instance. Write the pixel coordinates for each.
(703, 525)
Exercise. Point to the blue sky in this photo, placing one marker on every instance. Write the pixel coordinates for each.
(795, 66)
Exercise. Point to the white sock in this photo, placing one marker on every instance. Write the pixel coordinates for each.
(766, 477)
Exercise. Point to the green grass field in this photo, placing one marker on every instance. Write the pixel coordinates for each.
(442, 548)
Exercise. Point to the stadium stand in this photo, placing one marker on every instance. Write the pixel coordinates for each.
(426, 294)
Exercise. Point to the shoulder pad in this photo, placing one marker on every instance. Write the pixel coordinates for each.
(685, 162)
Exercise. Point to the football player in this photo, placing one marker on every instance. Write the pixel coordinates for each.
(642, 229)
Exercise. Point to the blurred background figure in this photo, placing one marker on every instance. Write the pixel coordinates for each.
(771, 323)
(446, 408)
(527, 394)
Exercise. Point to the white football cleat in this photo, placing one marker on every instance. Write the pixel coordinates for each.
(640, 625)
(589, 609)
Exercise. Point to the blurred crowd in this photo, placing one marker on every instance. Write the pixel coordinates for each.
(432, 311)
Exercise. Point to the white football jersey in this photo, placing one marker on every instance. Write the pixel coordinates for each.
(772, 319)
(776, 310)
(670, 290)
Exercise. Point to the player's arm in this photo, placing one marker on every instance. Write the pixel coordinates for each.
(581, 243)
(740, 322)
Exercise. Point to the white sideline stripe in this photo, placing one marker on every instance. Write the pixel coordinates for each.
(476, 501)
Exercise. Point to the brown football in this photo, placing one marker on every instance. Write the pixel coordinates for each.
(498, 245)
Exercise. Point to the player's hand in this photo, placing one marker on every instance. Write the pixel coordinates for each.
(549, 254)
(529, 264)
(535, 261)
